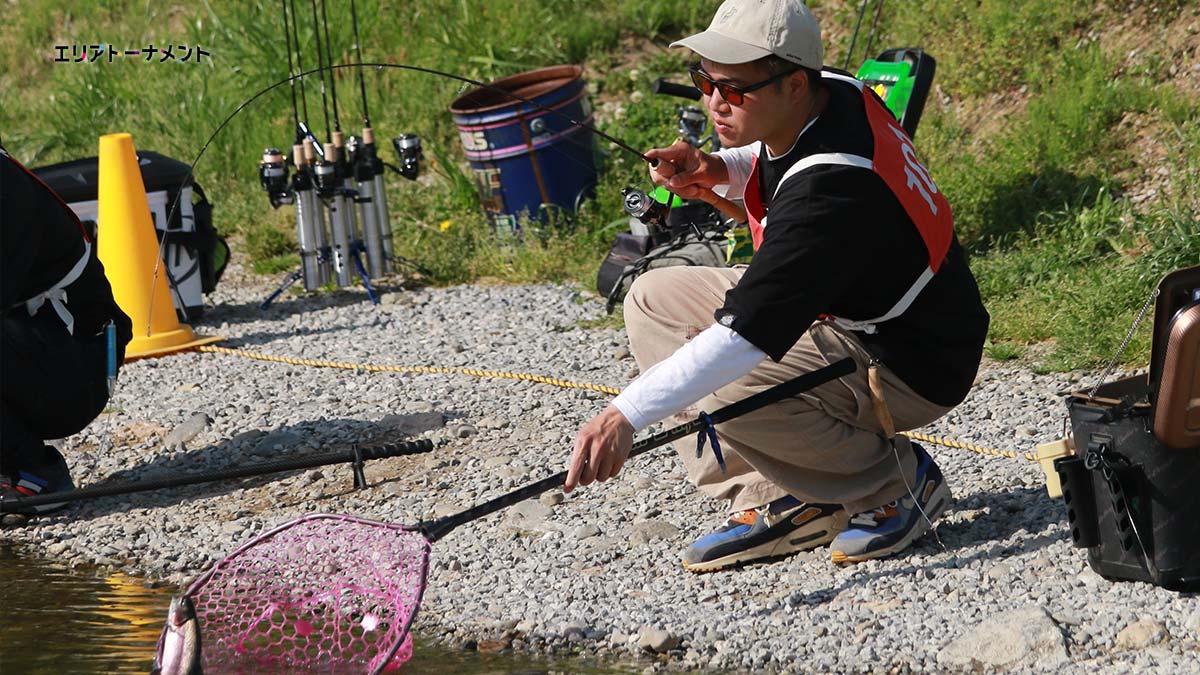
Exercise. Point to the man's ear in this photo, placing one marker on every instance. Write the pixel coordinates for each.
(800, 83)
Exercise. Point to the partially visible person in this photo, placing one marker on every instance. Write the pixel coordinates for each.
(59, 320)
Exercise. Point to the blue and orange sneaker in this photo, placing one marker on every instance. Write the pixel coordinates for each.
(784, 526)
(895, 526)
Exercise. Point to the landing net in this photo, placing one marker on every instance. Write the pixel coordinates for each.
(324, 593)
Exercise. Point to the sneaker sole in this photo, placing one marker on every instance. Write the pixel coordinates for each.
(813, 535)
(939, 501)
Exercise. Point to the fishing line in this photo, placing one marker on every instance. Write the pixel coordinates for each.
(291, 71)
(321, 65)
(916, 502)
(191, 168)
(362, 85)
(337, 124)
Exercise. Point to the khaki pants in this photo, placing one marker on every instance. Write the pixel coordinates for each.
(824, 446)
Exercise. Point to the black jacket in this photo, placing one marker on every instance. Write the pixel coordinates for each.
(41, 240)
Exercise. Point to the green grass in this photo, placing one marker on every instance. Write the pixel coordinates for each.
(1002, 351)
(614, 321)
(279, 264)
(1035, 131)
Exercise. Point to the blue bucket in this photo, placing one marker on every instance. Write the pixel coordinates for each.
(528, 161)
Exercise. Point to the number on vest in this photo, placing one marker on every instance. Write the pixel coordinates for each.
(917, 175)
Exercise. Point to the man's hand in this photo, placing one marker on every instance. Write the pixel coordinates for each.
(601, 448)
(686, 171)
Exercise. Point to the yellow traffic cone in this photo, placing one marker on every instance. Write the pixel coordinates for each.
(128, 249)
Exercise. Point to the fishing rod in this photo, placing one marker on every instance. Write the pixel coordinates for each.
(272, 171)
(337, 124)
(355, 456)
(362, 85)
(287, 37)
(702, 425)
(339, 191)
(366, 167)
(862, 9)
(301, 132)
(321, 65)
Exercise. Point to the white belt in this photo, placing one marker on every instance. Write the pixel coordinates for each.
(57, 294)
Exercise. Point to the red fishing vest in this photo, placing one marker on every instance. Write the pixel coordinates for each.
(896, 163)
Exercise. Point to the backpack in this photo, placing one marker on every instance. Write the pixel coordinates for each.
(634, 254)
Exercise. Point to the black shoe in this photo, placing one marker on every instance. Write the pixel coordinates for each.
(784, 526)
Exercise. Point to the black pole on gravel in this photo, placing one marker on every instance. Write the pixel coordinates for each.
(355, 456)
(437, 529)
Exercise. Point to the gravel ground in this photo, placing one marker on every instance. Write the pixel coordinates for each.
(597, 573)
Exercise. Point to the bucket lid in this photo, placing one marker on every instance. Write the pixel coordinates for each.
(529, 84)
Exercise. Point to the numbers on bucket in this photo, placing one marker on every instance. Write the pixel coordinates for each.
(474, 140)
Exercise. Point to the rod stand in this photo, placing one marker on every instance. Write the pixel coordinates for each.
(362, 273)
(287, 283)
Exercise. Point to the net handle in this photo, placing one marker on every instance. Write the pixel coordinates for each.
(437, 529)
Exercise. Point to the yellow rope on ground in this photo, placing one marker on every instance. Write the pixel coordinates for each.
(434, 370)
(951, 443)
(425, 370)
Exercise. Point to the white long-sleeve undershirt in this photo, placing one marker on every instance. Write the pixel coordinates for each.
(711, 360)
(738, 161)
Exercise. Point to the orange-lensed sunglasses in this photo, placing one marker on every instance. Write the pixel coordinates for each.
(732, 93)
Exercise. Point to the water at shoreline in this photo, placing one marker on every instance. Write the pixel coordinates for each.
(55, 620)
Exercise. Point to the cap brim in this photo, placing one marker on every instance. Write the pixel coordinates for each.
(721, 48)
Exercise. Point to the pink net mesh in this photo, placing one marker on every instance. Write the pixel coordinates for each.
(326, 593)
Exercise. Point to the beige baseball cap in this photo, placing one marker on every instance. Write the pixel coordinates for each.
(746, 30)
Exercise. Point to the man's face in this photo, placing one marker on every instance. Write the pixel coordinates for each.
(761, 112)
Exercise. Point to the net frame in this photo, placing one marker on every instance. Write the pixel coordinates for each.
(307, 595)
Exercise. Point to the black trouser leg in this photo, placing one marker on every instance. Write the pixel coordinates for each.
(52, 384)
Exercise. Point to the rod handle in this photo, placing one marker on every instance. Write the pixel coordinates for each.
(687, 91)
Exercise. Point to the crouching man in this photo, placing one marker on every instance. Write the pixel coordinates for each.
(859, 259)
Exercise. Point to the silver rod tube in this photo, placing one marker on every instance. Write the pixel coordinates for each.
(356, 238)
(370, 226)
(343, 265)
(385, 223)
(307, 212)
